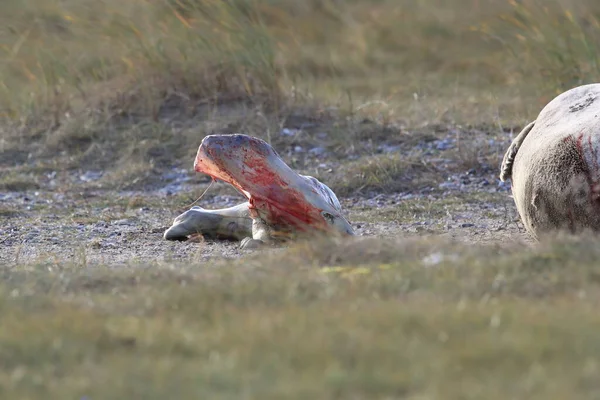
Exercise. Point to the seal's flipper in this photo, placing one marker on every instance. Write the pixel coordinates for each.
(511, 153)
(233, 223)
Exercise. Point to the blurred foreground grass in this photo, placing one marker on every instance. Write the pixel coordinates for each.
(414, 319)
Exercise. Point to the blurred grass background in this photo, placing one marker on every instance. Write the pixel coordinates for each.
(135, 84)
(470, 61)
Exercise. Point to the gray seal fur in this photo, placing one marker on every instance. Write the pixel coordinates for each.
(554, 165)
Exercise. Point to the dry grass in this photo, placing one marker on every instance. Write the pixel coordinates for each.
(16, 182)
(429, 61)
(557, 41)
(383, 173)
(363, 319)
(130, 56)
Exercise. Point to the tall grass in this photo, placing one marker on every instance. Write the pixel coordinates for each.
(62, 54)
(424, 61)
(555, 42)
(65, 54)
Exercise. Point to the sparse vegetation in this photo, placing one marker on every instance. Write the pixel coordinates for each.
(15, 182)
(386, 101)
(383, 173)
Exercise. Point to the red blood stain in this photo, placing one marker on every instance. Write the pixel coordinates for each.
(593, 185)
(271, 193)
(267, 191)
(593, 175)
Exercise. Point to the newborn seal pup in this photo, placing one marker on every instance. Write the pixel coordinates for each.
(282, 204)
(554, 165)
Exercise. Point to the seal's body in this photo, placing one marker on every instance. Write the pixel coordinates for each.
(554, 165)
(281, 203)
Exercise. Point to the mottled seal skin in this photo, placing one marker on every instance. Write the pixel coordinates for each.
(554, 165)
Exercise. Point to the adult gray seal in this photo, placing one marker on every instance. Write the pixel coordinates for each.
(282, 204)
(554, 165)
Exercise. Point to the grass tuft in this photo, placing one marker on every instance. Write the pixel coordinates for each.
(382, 173)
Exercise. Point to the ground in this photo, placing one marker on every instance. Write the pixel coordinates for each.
(404, 109)
(113, 227)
